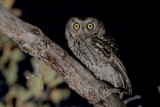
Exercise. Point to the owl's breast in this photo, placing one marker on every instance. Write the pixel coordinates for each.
(89, 56)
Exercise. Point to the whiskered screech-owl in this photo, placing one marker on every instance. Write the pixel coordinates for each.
(97, 51)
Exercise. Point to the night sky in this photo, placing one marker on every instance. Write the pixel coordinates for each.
(134, 25)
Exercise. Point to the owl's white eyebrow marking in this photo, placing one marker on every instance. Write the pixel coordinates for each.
(74, 20)
(91, 21)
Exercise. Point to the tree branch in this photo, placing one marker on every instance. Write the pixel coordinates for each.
(32, 41)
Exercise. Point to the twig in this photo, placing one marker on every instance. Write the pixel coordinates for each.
(158, 88)
(38, 75)
(32, 41)
(132, 99)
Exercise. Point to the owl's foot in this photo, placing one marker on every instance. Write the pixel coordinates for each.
(111, 91)
(100, 75)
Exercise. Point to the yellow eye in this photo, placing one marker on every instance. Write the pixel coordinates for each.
(90, 26)
(76, 26)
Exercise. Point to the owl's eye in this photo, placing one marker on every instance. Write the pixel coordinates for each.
(76, 26)
(90, 26)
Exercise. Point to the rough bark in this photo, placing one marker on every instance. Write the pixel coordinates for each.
(31, 40)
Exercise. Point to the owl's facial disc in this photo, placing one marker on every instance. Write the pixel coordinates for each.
(83, 28)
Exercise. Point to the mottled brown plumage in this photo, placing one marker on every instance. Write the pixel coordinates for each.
(98, 52)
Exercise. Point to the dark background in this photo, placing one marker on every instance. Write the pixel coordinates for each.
(134, 25)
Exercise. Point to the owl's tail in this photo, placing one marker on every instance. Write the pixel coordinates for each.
(128, 87)
(118, 66)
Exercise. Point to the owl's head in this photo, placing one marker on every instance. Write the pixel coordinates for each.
(83, 28)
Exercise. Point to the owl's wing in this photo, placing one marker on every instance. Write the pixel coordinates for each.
(107, 46)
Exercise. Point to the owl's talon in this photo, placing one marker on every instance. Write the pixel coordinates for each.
(99, 75)
(111, 91)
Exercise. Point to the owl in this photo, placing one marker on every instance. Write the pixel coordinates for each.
(97, 51)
